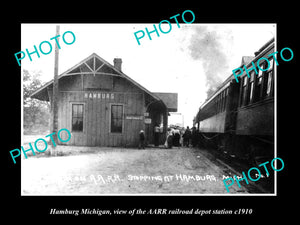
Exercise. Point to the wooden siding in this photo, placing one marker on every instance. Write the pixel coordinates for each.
(96, 118)
(97, 94)
(97, 85)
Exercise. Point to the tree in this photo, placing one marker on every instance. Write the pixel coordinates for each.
(36, 113)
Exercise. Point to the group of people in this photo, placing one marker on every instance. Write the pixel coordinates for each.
(175, 137)
(183, 137)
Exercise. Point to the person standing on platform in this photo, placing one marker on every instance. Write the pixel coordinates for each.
(169, 139)
(156, 135)
(186, 137)
(142, 140)
(176, 138)
(194, 137)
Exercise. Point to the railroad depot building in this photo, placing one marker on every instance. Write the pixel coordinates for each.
(101, 106)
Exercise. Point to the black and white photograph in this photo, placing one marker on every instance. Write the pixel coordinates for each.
(164, 109)
(137, 112)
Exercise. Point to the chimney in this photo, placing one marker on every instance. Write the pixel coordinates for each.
(118, 63)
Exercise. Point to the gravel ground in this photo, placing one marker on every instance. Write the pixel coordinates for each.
(94, 170)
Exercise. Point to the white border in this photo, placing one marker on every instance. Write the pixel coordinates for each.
(183, 195)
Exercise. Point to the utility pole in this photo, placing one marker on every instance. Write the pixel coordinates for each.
(54, 125)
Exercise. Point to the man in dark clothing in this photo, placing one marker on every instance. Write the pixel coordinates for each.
(186, 137)
(194, 137)
(176, 138)
(170, 140)
(142, 140)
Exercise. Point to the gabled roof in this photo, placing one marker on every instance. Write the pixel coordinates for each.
(93, 64)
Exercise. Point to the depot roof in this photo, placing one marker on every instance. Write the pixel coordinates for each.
(96, 65)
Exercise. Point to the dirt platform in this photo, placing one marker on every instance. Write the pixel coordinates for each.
(110, 171)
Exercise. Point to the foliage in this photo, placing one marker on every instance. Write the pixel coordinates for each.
(36, 113)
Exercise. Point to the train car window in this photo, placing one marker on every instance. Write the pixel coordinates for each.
(269, 82)
(220, 102)
(271, 65)
(251, 87)
(217, 104)
(225, 98)
(260, 73)
(244, 91)
(257, 92)
(211, 110)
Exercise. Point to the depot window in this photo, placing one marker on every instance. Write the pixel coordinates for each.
(116, 119)
(77, 117)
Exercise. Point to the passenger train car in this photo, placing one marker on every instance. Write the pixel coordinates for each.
(238, 119)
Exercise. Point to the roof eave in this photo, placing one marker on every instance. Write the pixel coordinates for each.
(36, 93)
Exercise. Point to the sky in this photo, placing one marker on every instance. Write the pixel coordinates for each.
(191, 60)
